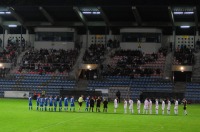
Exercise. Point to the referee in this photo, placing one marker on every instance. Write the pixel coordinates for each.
(185, 106)
(80, 101)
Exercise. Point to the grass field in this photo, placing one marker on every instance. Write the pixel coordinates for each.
(15, 117)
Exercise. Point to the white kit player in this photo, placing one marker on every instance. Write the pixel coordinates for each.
(157, 106)
(138, 105)
(168, 106)
(115, 105)
(163, 107)
(131, 106)
(176, 107)
(150, 106)
(125, 106)
(146, 104)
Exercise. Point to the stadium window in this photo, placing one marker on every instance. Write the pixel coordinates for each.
(55, 36)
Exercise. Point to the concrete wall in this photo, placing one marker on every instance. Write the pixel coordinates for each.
(98, 39)
(140, 30)
(166, 40)
(29, 38)
(145, 47)
(54, 29)
(185, 40)
(103, 39)
(54, 45)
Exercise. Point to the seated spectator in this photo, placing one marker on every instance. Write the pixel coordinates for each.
(94, 54)
(134, 62)
(184, 56)
(48, 60)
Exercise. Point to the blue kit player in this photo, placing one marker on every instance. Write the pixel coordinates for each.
(60, 104)
(55, 103)
(50, 103)
(41, 103)
(30, 103)
(87, 103)
(72, 104)
(45, 103)
(38, 102)
(66, 103)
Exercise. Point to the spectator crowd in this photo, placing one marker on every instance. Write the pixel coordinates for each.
(133, 62)
(184, 55)
(94, 54)
(51, 60)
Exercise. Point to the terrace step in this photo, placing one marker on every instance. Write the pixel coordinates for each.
(179, 87)
(82, 84)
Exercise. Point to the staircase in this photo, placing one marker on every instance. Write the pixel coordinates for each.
(179, 87)
(196, 68)
(108, 54)
(75, 70)
(82, 85)
(168, 65)
(19, 58)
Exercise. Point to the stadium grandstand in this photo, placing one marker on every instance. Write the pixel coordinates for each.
(138, 47)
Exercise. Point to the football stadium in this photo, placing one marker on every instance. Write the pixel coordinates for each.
(99, 65)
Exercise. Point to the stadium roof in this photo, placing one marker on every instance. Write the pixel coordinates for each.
(101, 15)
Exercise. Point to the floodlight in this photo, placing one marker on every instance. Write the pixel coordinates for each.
(8, 12)
(178, 13)
(12, 25)
(182, 69)
(185, 26)
(189, 13)
(96, 12)
(88, 66)
(87, 12)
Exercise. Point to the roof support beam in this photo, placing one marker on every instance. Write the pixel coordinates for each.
(196, 18)
(15, 15)
(81, 16)
(47, 15)
(105, 18)
(137, 15)
(113, 24)
(171, 16)
(1, 23)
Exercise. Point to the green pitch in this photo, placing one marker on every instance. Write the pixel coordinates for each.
(15, 117)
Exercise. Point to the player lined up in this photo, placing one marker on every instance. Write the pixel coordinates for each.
(51, 103)
(148, 106)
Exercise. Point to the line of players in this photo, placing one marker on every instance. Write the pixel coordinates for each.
(44, 103)
(148, 106)
(51, 103)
